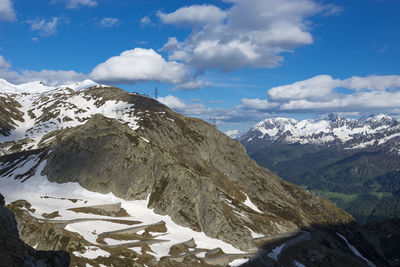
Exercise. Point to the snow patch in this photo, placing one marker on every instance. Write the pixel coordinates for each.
(355, 251)
(238, 262)
(250, 204)
(144, 139)
(92, 252)
(274, 254)
(298, 264)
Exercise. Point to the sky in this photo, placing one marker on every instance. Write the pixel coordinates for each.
(229, 62)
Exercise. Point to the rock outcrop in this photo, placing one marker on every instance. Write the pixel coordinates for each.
(14, 252)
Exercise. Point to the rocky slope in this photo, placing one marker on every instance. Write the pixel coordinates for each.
(14, 252)
(155, 162)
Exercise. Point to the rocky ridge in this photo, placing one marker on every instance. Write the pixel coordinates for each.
(334, 131)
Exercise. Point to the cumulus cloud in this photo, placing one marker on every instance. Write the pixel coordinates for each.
(172, 44)
(250, 33)
(373, 82)
(76, 4)
(145, 21)
(109, 22)
(49, 77)
(325, 94)
(194, 15)
(7, 12)
(138, 65)
(46, 27)
(316, 88)
(191, 85)
(178, 105)
(258, 104)
(3, 63)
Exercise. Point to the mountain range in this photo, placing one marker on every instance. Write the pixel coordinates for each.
(119, 179)
(352, 162)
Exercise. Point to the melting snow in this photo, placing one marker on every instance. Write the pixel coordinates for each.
(355, 251)
(144, 139)
(92, 252)
(250, 204)
(298, 264)
(238, 262)
(274, 254)
(36, 187)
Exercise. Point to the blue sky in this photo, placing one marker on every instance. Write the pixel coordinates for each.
(238, 61)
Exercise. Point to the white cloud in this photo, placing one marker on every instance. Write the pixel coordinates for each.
(324, 94)
(187, 109)
(109, 22)
(76, 4)
(250, 33)
(46, 27)
(373, 82)
(141, 65)
(49, 77)
(191, 85)
(258, 104)
(7, 12)
(145, 21)
(194, 15)
(172, 102)
(172, 44)
(3, 63)
(318, 87)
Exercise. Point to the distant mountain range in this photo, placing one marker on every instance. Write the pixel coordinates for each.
(353, 162)
(375, 132)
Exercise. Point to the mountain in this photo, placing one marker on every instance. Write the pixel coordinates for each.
(375, 132)
(117, 178)
(352, 162)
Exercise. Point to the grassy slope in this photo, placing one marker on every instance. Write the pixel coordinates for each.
(366, 184)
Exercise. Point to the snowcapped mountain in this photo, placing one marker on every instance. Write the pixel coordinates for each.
(30, 111)
(117, 178)
(333, 130)
(356, 159)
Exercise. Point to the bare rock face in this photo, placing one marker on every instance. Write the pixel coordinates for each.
(14, 252)
(9, 113)
(192, 172)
